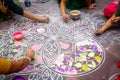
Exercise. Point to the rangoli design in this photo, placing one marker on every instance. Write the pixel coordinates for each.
(63, 48)
(86, 57)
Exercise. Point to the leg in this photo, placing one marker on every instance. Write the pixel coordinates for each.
(36, 18)
(106, 26)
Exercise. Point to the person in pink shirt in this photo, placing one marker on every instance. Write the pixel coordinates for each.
(113, 12)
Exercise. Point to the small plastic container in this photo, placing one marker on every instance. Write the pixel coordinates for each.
(18, 36)
(75, 14)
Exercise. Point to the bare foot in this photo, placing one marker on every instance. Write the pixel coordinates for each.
(44, 20)
(92, 6)
(98, 31)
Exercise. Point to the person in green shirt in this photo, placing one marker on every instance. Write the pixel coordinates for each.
(74, 5)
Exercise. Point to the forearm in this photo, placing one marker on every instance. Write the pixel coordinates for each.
(31, 16)
(108, 24)
(17, 66)
(63, 7)
(88, 2)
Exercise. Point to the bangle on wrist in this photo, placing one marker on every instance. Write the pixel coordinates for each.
(28, 58)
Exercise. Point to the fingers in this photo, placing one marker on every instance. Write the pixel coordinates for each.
(44, 20)
(47, 20)
(30, 50)
(98, 32)
(92, 6)
(95, 32)
(115, 20)
(65, 17)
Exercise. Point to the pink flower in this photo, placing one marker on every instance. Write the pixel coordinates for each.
(41, 30)
(65, 46)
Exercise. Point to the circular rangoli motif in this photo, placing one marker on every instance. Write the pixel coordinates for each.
(86, 57)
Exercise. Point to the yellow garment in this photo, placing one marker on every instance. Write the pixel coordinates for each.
(4, 65)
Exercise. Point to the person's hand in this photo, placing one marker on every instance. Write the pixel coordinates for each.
(65, 17)
(115, 20)
(98, 31)
(3, 8)
(30, 53)
(92, 6)
(44, 20)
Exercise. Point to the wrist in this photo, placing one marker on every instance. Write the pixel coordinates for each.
(28, 58)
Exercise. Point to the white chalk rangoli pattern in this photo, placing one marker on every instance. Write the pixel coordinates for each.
(73, 40)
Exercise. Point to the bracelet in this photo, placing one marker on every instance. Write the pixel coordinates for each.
(28, 58)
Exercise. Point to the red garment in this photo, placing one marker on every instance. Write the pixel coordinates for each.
(110, 9)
